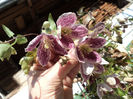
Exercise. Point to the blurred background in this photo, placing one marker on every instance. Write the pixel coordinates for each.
(27, 16)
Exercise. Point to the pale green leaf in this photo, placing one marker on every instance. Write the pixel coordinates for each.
(51, 21)
(25, 60)
(32, 53)
(13, 51)
(21, 39)
(8, 31)
(26, 63)
(5, 51)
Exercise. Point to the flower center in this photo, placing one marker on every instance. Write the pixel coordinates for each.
(46, 42)
(85, 48)
(66, 31)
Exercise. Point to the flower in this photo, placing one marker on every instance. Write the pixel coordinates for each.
(111, 81)
(102, 88)
(87, 55)
(48, 45)
(69, 29)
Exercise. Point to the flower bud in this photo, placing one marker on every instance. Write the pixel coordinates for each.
(46, 25)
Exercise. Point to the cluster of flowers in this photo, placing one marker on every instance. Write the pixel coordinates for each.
(74, 35)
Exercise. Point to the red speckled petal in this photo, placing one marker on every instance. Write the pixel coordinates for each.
(43, 55)
(97, 42)
(67, 42)
(34, 43)
(67, 19)
(93, 57)
(79, 31)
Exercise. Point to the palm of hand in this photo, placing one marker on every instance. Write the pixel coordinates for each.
(53, 82)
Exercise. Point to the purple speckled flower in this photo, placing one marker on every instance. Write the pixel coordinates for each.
(96, 42)
(93, 57)
(47, 44)
(99, 69)
(99, 27)
(102, 88)
(69, 29)
(87, 55)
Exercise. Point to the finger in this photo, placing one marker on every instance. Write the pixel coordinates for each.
(74, 71)
(67, 68)
(61, 71)
(38, 67)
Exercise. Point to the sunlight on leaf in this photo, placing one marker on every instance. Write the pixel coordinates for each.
(6, 50)
(8, 31)
(51, 21)
(21, 39)
(25, 63)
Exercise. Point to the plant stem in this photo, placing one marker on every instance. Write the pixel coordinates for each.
(16, 37)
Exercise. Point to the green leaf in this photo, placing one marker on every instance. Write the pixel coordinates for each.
(8, 31)
(13, 51)
(6, 50)
(120, 92)
(51, 21)
(32, 53)
(25, 60)
(26, 63)
(130, 19)
(21, 39)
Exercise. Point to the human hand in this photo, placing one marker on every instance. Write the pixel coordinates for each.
(53, 81)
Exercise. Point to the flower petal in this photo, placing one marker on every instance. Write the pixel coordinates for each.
(80, 55)
(87, 68)
(33, 43)
(43, 55)
(99, 69)
(99, 27)
(79, 31)
(104, 62)
(93, 57)
(72, 54)
(106, 88)
(97, 42)
(85, 77)
(56, 45)
(67, 42)
(67, 19)
(99, 91)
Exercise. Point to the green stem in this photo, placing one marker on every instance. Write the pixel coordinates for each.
(16, 38)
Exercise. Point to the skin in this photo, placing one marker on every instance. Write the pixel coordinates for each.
(52, 81)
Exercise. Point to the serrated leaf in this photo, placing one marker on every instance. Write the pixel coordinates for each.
(51, 21)
(21, 39)
(8, 31)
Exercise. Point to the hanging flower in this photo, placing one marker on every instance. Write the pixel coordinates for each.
(113, 81)
(103, 88)
(87, 55)
(69, 29)
(47, 45)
